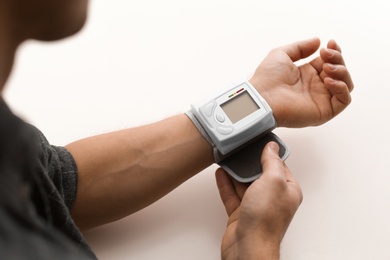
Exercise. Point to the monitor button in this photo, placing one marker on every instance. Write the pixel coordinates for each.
(224, 130)
(209, 108)
(220, 118)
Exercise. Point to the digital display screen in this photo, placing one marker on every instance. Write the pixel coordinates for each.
(239, 107)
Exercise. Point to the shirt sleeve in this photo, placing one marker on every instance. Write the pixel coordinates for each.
(61, 168)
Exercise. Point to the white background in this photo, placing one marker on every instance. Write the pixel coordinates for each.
(136, 62)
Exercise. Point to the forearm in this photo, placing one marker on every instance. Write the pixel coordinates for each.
(125, 171)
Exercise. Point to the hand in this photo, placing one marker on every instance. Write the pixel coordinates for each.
(259, 213)
(306, 95)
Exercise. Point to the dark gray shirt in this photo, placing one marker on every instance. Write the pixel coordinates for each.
(38, 185)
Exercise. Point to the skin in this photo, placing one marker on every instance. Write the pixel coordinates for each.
(43, 20)
(316, 91)
(127, 170)
(260, 213)
(138, 166)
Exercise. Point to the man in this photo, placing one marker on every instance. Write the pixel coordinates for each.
(48, 193)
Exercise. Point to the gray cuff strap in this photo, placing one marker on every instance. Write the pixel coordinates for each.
(217, 157)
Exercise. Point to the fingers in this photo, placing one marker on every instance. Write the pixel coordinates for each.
(332, 44)
(301, 49)
(227, 192)
(334, 65)
(338, 72)
(275, 175)
(341, 96)
(336, 77)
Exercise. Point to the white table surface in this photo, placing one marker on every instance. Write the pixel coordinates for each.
(102, 80)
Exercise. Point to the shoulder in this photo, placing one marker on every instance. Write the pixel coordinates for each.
(57, 164)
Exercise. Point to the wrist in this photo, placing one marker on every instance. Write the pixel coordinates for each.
(264, 92)
(232, 118)
(253, 251)
(252, 248)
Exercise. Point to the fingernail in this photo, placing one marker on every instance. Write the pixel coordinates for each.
(331, 66)
(329, 52)
(274, 147)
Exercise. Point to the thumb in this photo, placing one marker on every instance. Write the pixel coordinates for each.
(301, 49)
(271, 150)
(270, 160)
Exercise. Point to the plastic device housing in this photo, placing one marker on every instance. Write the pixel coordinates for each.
(235, 117)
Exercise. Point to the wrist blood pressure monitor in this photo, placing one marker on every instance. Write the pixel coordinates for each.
(235, 124)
